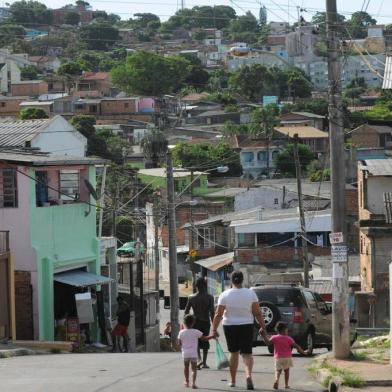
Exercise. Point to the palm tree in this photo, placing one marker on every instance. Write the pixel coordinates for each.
(154, 146)
(264, 121)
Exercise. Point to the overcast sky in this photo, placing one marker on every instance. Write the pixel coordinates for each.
(278, 10)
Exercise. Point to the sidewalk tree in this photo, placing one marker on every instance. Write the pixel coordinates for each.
(284, 160)
(151, 74)
(154, 146)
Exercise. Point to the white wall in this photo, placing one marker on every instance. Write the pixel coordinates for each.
(61, 138)
(264, 196)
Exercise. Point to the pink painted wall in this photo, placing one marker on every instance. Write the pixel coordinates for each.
(146, 104)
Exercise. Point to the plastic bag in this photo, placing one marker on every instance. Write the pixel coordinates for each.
(221, 360)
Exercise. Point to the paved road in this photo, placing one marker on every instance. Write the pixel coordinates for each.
(132, 372)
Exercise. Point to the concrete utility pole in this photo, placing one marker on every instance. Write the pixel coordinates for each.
(174, 301)
(340, 313)
(305, 256)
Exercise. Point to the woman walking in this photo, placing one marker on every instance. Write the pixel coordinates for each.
(202, 305)
(238, 307)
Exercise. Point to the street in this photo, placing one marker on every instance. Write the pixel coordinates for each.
(134, 372)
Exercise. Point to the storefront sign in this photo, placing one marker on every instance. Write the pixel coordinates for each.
(73, 331)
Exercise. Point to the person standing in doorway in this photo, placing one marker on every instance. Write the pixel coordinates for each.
(121, 329)
(202, 305)
(238, 307)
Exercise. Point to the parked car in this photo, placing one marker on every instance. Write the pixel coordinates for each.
(129, 249)
(308, 317)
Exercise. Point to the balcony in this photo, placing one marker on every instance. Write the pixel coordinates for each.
(4, 242)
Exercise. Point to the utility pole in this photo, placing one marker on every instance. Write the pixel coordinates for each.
(191, 234)
(174, 302)
(340, 313)
(115, 208)
(304, 242)
(156, 247)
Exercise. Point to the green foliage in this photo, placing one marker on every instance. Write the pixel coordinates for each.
(32, 114)
(230, 128)
(319, 19)
(148, 73)
(198, 77)
(154, 146)
(219, 79)
(96, 61)
(99, 35)
(357, 25)
(71, 68)
(264, 121)
(30, 12)
(145, 21)
(222, 97)
(257, 80)
(245, 28)
(218, 16)
(84, 124)
(72, 18)
(199, 35)
(315, 105)
(199, 155)
(285, 159)
(10, 33)
(320, 175)
(380, 111)
(29, 72)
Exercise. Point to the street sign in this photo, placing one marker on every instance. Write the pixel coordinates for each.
(336, 238)
(339, 253)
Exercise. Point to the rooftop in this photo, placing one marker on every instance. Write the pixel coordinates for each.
(387, 81)
(303, 132)
(161, 172)
(45, 159)
(29, 82)
(308, 114)
(95, 76)
(378, 167)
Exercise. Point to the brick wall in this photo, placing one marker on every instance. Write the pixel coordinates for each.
(24, 306)
(365, 136)
(278, 254)
(29, 89)
(351, 196)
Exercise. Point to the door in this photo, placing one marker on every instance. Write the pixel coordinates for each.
(313, 314)
(325, 325)
(5, 319)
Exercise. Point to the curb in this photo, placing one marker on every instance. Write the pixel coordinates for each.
(16, 352)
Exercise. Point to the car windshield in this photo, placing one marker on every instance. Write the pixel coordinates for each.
(128, 244)
(280, 297)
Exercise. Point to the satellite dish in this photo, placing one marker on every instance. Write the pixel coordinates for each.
(91, 189)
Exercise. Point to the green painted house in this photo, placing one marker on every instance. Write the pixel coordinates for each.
(51, 218)
(182, 179)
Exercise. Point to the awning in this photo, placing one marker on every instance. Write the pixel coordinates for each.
(216, 262)
(81, 278)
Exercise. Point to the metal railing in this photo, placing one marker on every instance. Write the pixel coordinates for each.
(4, 241)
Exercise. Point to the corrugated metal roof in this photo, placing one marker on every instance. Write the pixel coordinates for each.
(303, 132)
(216, 262)
(47, 159)
(378, 167)
(17, 133)
(308, 114)
(387, 82)
(81, 278)
(321, 286)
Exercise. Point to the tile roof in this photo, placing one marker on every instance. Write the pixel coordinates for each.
(95, 76)
(17, 133)
(303, 132)
(378, 167)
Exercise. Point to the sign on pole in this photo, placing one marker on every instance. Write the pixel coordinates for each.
(339, 253)
(336, 238)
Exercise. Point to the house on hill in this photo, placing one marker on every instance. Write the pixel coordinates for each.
(294, 119)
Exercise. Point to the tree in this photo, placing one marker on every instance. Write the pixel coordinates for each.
(198, 77)
(10, 33)
(29, 72)
(32, 114)
(245, 28)
(285, 162)
(82, 3)
(320, 20)
(298, 83)
(69, 72)
(72, 18)
(154, 146)
(358, 24)
(99, 35)
(315, 105)
(198, 155)
(117, 148)
(30, 12)
(148, 73)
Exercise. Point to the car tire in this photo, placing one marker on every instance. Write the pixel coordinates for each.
(271, 314)
(309, 342)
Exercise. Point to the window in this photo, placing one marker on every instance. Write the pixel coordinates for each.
(69, 184)
(8, 189)
(262, 156)
(93, 109)
(205, 238)
(247, 156)
(276, 201)
(246, 240)
(3, 104)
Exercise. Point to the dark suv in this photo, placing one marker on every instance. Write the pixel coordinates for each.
(308, 317)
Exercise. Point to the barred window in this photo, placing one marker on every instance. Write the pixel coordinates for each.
(8, 188)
